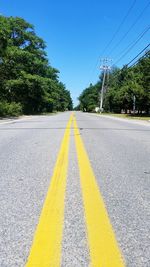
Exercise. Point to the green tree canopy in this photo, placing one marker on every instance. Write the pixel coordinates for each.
(27, 77)
(123, 87)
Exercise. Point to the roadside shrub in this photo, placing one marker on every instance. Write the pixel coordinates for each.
(10, 109)
(3, 109)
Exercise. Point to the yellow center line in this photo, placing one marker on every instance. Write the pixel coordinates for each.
(46, 247)
(104, 250)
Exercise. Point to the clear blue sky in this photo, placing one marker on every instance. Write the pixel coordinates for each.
(77, 31)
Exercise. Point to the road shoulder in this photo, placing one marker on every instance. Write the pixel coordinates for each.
(139, 122)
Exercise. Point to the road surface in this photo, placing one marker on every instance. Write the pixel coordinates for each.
(74, 191)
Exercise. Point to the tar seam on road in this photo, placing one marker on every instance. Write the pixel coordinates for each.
(104, 250)
(46, 247)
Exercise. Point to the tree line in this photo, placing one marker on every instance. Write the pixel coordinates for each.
(28, 83)
(126, 89)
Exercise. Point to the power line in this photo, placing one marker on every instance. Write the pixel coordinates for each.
(132, 42)
(130, 48)
(134, 23)
(138, 60)
(119, 27)
(134, 59)
(138, 55)
(113, 37)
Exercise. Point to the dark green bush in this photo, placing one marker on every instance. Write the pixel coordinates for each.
(10, 109)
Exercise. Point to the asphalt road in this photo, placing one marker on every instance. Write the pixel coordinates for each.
(119, 153)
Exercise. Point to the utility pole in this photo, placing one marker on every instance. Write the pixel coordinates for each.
(102, 92)
(105, 67)
(134, 100)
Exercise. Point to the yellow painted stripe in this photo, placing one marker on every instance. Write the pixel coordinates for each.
(104, 250)
(46, 248)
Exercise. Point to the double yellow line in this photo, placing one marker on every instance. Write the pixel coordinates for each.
(46, 248)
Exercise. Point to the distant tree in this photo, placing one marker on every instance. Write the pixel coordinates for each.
(89, 98)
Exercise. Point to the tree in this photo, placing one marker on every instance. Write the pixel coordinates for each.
(89, 98)
(26, 75)
(124, 85)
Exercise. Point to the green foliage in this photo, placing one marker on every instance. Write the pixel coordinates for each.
(10, 109)
(127, 83)
(26, 76)
(124, 85)
(89, 98)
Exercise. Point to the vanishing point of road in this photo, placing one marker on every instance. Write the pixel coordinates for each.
(74, 191)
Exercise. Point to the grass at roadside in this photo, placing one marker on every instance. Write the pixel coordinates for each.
(129, 116)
